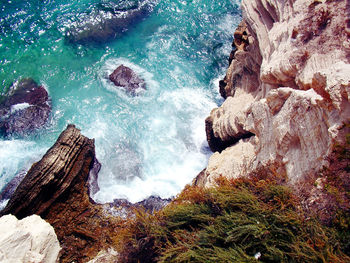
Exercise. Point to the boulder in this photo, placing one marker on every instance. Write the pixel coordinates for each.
(28, 240)
(125, 77)
(26, 108)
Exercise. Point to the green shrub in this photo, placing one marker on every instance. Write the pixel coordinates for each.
(253, 219)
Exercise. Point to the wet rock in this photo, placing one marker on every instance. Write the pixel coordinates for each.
(124, 209)
(108, 23)
(11, 187)
(153, 203)
(25, 109)
(125, 77)
(93, 176)
(56, 188)
(28, 240)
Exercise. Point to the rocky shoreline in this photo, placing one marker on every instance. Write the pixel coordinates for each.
(57, 189)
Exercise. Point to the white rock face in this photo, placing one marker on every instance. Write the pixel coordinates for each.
(298, 99)
(109, 256)
(30, 240)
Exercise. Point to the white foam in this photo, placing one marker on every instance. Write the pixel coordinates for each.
(16, 155)
(169, 154)
(19, 106)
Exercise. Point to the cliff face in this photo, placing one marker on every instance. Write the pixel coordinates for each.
(287, 89)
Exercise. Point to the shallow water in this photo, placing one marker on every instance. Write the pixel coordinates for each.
(150, 144)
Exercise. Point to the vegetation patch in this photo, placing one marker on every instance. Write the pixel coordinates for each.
(258, 218)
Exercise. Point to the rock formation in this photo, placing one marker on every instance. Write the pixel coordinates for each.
(25, 109)
(108, 22)
(287, 89)
(28, 240)
(56, 188)
(125, 77)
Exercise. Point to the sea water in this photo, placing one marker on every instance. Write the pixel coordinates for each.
(150, 144)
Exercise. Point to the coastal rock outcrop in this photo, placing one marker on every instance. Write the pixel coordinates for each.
(70, 157)
(28, 240)
(25, 109)
(56, 188)
(288, 87)
(125, 77)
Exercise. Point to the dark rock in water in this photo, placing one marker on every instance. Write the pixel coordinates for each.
(150, 204)
(125, 77)
(153, 203)
(25, 109)
(108, 23)
(11, 187)
(93, 176)
(56, 188)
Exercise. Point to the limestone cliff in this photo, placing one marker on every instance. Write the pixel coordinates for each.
(287, 89)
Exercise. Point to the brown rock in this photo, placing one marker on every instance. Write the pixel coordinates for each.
(56, 188)
(70, 157)
(125, 77)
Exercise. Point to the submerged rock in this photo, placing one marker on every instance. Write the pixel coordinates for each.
(109, 22)
(125, 77)
(28, 240)
(25, 109)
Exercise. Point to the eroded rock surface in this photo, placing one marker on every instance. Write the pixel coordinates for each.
(288, 84)
(28, 240)
(26, 108)
(56, 188)
(125, 77)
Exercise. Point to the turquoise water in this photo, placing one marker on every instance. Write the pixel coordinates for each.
(151, 144)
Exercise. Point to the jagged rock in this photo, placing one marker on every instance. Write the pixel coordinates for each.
(56, 188)
(71, 156)
(25, 109)
(107, 23)
(93, 177)
(125, 77)
(240, 73)
(28, 240)
(153, 203)
(150, 204)
(11, 187)
(289, 86)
